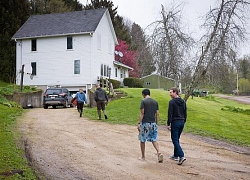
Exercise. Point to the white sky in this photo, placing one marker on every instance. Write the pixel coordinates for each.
(144, 12)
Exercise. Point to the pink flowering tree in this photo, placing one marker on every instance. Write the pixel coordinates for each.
(129, 58)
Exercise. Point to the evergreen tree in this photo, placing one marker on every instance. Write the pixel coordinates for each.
(73, 5)
(13, 14)
(54, 6)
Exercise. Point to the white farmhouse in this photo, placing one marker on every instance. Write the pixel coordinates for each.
(72, 50)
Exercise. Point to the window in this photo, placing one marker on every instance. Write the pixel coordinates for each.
(99, 41)
(33, 65)
(116, 72)
(148, 83)
(101, 69)
(122, 73)
(108, 70)
(69, 42)
(33, 44)
(105, 70)
(76, 66)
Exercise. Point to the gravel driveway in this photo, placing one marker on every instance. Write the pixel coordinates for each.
(61, 145)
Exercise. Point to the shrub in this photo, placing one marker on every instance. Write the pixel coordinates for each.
(10, 89)
(116, 84)
(236, 110)
(133, 82)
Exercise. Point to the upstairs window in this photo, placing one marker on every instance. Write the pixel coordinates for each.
(33, 44)
(69, 42)
(77, 67)
(33, 65)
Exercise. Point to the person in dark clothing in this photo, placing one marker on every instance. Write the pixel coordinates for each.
(101, 99)
(177, 115)
(81, 98)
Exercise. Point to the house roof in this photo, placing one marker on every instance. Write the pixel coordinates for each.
(122, 65)
(156, 74)
(75, 22)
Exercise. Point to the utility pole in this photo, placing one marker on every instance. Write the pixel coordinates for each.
(21, 84)
(237, 84)
(109, 71)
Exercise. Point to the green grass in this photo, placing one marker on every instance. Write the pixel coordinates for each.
(12, 156)
(205, 115)
(3, 84)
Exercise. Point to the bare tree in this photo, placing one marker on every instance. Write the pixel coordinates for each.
(170, 44)
(225, 26)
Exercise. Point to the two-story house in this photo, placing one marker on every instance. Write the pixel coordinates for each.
(72, 50)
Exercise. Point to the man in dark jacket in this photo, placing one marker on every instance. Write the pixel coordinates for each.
(177, 114)
(101, 99)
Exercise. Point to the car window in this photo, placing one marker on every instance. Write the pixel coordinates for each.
(65, 91)
(53, 91)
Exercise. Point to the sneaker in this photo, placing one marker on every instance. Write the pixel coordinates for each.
(174, 158)
(181, 160)
(160, 158)
(106, 117)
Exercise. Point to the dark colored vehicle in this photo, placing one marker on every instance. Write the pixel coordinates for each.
(57, 97)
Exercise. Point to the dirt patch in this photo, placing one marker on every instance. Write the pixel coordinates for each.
(65, 146)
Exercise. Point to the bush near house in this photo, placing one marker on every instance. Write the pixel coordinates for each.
(12, 88)
(116, 84)
(133, 82)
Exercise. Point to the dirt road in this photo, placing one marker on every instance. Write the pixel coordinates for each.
(64, 146)
(241, 99)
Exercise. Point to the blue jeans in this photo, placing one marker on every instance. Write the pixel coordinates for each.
(176, 130)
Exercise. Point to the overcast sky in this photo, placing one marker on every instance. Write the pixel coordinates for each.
(144, 12)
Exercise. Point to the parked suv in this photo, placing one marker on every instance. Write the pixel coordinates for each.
(56, 97)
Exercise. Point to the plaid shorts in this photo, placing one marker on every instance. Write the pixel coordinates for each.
(148, 131)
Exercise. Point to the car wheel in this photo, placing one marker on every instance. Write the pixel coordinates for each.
(45, 106)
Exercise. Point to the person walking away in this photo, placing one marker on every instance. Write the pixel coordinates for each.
(177, 115)
(101, 99)
(81, 98)
(147, 125)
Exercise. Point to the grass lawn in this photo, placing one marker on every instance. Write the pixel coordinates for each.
(205, 115)
(12, 156)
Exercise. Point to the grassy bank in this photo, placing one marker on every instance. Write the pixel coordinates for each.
(13, 164)
(205, 115)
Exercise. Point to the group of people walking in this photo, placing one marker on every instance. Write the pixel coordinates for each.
(100, 96)
(148, 124)
(148, 119)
